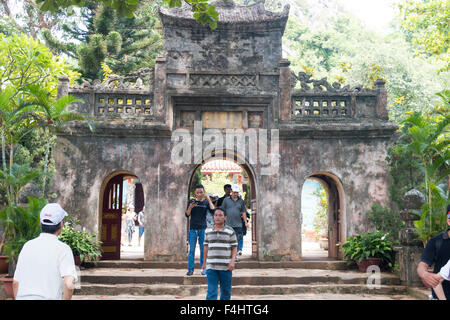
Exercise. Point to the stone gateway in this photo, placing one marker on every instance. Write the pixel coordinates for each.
(231, 78)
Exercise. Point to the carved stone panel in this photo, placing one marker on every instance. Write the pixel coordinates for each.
(222, 120)
(255, 119)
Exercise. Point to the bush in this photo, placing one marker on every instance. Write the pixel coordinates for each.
(386, 221)
(82, 244)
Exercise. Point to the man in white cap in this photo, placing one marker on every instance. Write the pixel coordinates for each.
(46, 269)
(236, 212)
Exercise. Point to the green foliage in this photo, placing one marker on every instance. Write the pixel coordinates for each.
(386, 221)
(339, 47)
(125, 44)
(202, 11)
(26, 61)
(196, 180)
(15, 178)
(428, 141)
(21, 225)
(433, 218)
(404, 170)
(82, 244)
(363, 246)
(426, 23)
(320, 221)
(214, 183)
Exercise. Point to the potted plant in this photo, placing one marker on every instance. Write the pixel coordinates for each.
(84, 246)
(323, 242)
(368, 249)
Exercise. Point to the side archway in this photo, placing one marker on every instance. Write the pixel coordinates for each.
(110, 210)
(336, 209)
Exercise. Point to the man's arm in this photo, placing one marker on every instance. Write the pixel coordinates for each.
(244, 217)
(211, 205)
(244, 214)
(233, 258)
(438, 289)
(69, 286)
(205, 255)
(428, 278)
(188, 211)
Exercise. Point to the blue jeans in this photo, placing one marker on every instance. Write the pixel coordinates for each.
(195, 234)
(240, 245)
(214, 278)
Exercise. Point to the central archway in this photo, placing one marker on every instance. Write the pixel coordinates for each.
(251, 188)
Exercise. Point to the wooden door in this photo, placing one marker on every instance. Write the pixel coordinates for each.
(112, 218)
(333, 221)
(254, 239)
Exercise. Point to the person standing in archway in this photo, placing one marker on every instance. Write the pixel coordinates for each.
(197, 209)
(236, 212)
(130, 226)
(227, 190)
(219, 256)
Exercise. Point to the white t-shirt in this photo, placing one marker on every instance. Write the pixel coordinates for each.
(445, 271)
(42, 264)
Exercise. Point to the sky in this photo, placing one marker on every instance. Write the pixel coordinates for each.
(376, 14)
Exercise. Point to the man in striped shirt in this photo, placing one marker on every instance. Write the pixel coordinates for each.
(220, 248)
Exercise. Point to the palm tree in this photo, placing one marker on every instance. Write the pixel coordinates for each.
(430, 144)
(54, 115)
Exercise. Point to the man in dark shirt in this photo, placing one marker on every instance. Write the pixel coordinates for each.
(437, 252)
(196, 210)
(227, 189)
(236, 212)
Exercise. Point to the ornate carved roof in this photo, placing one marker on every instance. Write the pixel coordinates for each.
(229, 13)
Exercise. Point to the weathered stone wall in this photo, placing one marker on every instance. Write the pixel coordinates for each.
(83, 164)
(235, 71)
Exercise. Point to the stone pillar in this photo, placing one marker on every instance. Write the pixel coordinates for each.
(410, 250)
(159, 91)
(382, 111)
(63, 86)
(285, 90)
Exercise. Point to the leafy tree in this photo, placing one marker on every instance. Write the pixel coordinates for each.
(25, 61)
(429, 142)
(203, 12)
(124, 44)
(426, 24)
(214, 183)
(386, 221)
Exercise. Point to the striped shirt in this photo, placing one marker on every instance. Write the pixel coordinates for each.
(220, 243)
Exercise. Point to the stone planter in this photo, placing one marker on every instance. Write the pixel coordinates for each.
(77, 260)
(3, 265)
(8, 284)
(323, 243)
(365, 263)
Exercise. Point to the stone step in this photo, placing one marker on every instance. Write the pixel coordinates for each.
(238, 290)
(237, 279)
(240, 277)
(243, 264)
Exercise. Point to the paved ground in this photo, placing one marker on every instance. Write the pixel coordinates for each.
(325, 296)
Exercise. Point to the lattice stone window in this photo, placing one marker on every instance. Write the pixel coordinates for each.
(123, 105)
(321, 107)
